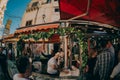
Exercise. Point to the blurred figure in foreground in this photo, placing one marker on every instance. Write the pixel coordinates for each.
(24, 68)
(116, 71)
(104, 63)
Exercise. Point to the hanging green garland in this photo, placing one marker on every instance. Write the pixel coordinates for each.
(62, 32)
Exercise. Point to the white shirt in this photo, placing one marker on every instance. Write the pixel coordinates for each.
(16, 77)
(115, 71)
(50, 69)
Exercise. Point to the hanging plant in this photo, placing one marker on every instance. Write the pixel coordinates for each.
(24, 37)
(61, 31)
(83, 46)
(80, 36)
(36, 37)
(50, 33)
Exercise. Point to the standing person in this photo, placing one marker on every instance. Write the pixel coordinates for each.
(92, 57)
(10, 51)
(24, 52)
(112, 51)
(29, 52)
(104, 62)
(24, 68)
(117, 48)
(4, 51)
(76, 51)
(10, 54)
(3, 61)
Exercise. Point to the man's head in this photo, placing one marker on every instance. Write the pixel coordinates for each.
(103, 43)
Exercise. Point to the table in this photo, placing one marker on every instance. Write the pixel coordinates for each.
(69, 72)
(38, 76)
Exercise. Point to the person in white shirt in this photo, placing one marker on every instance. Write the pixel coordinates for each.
(24, 68)
(116, 69)
(52, 68)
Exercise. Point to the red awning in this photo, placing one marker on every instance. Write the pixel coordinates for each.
(103, 11)
(36, 28)
(8, 36)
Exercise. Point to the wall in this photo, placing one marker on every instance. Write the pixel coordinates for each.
(36, 13)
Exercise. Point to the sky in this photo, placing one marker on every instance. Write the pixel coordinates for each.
(14, 11)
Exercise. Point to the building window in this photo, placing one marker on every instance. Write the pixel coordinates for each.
(34, 4)
(28, 23)
(56, 9)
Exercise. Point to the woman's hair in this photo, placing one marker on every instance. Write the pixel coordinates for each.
(22, 64)
(103, 42)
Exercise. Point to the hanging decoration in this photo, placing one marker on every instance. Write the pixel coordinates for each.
(62, 32)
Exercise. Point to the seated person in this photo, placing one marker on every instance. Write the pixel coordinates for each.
(52, 66)
(24, 68)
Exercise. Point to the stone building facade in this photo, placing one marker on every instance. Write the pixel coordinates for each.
(40, 12)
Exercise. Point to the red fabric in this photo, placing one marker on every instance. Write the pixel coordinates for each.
(104, 11)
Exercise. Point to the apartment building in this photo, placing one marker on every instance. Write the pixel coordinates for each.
(40, 12)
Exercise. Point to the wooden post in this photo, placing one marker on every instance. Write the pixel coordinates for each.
(43, 44)
(66, 58)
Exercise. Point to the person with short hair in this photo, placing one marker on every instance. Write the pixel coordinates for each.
(103, 66)
(112, 52)
(24, 68)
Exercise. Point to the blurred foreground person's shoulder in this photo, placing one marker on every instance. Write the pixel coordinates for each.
(24, 68)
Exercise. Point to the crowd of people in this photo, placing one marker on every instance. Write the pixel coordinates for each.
(5, 55)
(25, 67)
(103, 63)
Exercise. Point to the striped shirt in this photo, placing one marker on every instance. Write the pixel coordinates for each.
(103, 65)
